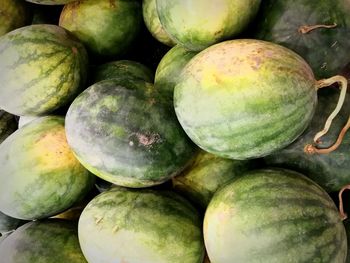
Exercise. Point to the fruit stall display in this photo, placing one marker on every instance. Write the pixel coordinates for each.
(174, 131)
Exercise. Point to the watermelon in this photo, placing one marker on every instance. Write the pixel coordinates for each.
(274, 215)
(106, 27)
(122, 68)
(159, 225)
(48, 241)
(347, 228)
(8, 125)
(13, 14)
(42, 67)
(51, 2)
(206, 175)
(40, 176)
(247, 98)
(169, 69)
(291, 24)
(123, 132)
(23, 120)
(152, 22)
(200, 24)
(331, 171)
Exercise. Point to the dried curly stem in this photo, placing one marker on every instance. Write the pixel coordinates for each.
(343, 215)
(308, 28)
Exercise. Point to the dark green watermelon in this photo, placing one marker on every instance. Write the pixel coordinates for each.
(8, 125)
(123, 132)
(206, 175)
(42, 67)
(169, 69)
(127, 225)
(274, 216)
(120, 69)
(13, 14)
(331, 170)
(325, 49)
(40, 176)
(106, 27)
(48, 241)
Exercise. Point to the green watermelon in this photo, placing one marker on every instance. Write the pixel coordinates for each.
(326, 47)
(122, 68)
(246, 98)
(13, 14)
(331, 171)
(169, 69)
(48, 241)
(123, 132)
(106, 27)
(199, 24)
(8, 125)
(152, 22)
(42, 68)
(347, 228)
(51, 2)
(206, 175)
(274, 216)
(126, 225)
(40, 176)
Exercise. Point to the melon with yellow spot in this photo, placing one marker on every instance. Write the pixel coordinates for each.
(40, 175)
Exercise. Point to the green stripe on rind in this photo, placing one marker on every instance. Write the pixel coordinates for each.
(331, 171)
(8, 125)
(42, 68)
(106, 27)
(46, 241)
(169, 69)
(206, 175)
(160, 225)
(197, 25)
(40, 176)
(14, 14)
(152, 22)
(245, 98)
(270, 216)
(123, 132)
(122, 68)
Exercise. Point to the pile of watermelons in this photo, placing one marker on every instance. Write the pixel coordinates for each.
(174, 131)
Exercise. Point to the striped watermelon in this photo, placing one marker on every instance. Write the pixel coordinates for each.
(123, 132)
(23, 120)
(152, 22)
(246, 98)
(120, 69)
(126, 225)
(331, 171)
(8, 125)
(169, 69)
(42, 68)
(274, 216)
(206, 175)
(40, 176)
(106, 27)
(13, 14)
(48, 241)
(198, 24)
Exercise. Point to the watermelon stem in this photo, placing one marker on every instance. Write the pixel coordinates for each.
(343, 215)
(311, 149)
(307, 28)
